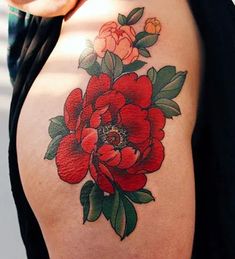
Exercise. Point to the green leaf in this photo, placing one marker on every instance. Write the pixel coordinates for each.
(122, 19)
(164, 76)
(96, 197)
(131, 216)
(134, 66)
(173, 88)
(89, 44)
(107, 206)
(57, 127)
(146, 41)
(141, 196)
(144, 52)
(168, 107)
(53, 147)
(152, 75)
(140, 35)
(135, 15)
(94, 70)
(84, 198)
(87, 58)
(112, 65)
(123, 216)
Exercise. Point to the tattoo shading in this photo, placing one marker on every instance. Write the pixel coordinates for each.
(113, 131)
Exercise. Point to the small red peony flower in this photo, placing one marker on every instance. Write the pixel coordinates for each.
(115, 133)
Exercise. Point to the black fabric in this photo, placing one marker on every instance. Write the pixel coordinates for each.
(39, 42)
(214, 135)
(213, 139)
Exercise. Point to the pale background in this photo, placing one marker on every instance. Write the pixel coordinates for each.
(11, 246)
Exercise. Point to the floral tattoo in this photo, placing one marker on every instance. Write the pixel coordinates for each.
(113, 131)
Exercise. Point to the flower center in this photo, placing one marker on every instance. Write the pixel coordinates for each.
(114, 135)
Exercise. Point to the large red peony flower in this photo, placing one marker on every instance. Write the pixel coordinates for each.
(115, 133)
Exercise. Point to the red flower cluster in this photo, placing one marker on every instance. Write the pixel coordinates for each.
(115, 133)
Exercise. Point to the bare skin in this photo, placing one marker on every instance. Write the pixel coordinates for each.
(47, 8)
(165, 228)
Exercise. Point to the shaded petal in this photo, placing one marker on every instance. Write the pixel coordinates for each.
(129, 156)
(102, 177)
(131, 57)
(152, 161)
(96, 87)
(128, 182)
(157, 120)
(108, 26)
(96, 117)
(89, 139)
(109, 155)
(72, 108)
(134, 120)
(114, 99)
(129, 31)
(123, 48)
(136, 90)
(72, 162)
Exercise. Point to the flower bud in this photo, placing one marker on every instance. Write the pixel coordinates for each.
(152, 25)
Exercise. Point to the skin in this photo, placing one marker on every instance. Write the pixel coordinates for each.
(165, 228)
(47, 8)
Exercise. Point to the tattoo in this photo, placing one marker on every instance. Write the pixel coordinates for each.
(113, 131)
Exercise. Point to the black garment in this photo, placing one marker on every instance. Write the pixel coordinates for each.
(214, 135)
(39, 42)
(213, 139)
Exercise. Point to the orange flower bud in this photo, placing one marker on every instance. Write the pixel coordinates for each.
(152, 25)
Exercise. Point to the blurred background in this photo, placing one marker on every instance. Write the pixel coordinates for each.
(11, 246)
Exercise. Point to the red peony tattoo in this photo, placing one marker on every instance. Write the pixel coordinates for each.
(112, 133)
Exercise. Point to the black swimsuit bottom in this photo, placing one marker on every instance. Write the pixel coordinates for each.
(213, 139)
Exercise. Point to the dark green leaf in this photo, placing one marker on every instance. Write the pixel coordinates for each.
(134, 66)
(57, 127)
(94, 70)
(147, 41)
(131, 216)
(164, 76)
(112, 65)
(152, 75)
(96, 197)
(141, 196)
(141, 35)
(173, 88)
(84, 198)
(144, 52)
(135, 15)
(123, 216)
(87, 58)
(122, 19)
(107, 206)
(53, 147)
(168, 107)
(115, 207)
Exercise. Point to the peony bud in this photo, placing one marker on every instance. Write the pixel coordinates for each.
(152, 25)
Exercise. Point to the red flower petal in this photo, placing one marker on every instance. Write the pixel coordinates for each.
(136, 90)
(96, 87)
(157, 120)
(109, 155)
(128, 182)
(89, 139)
(129, 156)
(134, 120)
(72, 108)
(114, 99)
(72, 162)
(96, 117)
(152, 161)
(102, 177)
